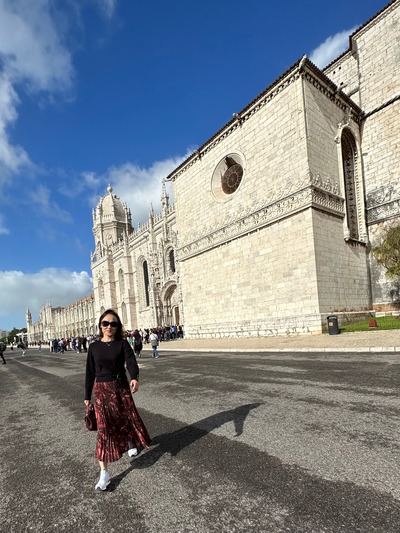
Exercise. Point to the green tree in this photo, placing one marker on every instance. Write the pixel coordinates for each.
(14, 332)
(387, 253)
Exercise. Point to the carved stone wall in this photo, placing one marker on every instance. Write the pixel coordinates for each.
(76, 319)
(272, 257)
(290, 141)
(118, 275)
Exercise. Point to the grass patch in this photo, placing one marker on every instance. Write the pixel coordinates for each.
(384, 322)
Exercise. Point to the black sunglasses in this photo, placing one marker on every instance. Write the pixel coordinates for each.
(106, 323)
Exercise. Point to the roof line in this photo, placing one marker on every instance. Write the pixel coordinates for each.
(299, 65)
(358, 30)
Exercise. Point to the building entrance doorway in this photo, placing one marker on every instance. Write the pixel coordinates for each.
(170, 308)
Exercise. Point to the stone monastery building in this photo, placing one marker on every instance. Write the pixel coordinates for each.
(275, 215)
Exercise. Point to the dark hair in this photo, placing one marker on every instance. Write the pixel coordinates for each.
(120, 333)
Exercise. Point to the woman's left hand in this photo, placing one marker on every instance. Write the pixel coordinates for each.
(134, 385)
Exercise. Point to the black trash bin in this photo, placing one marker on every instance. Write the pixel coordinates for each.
(333, 326)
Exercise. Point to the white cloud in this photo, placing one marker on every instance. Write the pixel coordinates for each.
(20, 290)
(32, 57)
(75, 185)
(30, 46)
(107, 7)
(3, 229)
(331, 48)
(137, 187)
(40, 197)
(12, 158)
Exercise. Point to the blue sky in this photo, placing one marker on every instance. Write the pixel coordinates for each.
(118, 91)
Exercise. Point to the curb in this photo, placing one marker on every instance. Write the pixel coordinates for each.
(382, 349)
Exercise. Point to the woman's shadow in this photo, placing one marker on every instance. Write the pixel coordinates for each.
(174, 442)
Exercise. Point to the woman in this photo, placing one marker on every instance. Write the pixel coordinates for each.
(137, 343)
(119, 426)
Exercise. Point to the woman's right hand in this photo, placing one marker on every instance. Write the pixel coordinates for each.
(86, 402)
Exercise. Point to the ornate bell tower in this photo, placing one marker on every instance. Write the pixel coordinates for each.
(112, 222)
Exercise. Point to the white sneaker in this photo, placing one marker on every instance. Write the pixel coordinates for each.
(104, 480)
(132, 452)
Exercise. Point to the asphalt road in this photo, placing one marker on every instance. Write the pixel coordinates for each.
(299, 443)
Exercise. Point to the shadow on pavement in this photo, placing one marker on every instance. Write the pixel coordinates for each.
(176, 441)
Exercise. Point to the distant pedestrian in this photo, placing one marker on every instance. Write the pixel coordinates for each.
(131, 339)
(2, 350)
(154, 341)
(137, 343)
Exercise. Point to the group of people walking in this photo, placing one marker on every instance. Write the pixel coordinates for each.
(136, 341)
(165, 333)
(76, 344)
(3, 348)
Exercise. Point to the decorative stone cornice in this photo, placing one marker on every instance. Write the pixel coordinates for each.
(334, 95)
(383, 203)
(315, 194)
(384, 211)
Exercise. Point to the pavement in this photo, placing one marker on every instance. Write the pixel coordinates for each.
(374, 340)
(244, 443)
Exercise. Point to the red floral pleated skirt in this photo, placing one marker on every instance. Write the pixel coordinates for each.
(119, 426)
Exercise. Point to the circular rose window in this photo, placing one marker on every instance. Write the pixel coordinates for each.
(230, 181)
(227, 176)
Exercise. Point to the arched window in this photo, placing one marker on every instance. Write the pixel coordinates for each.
(101, 289)
(146, 283)
(121, 281)
(98, 250)
(172, 261)
(349, 159)
(124, 315)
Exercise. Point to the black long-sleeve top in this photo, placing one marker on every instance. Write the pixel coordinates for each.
(107, 360)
